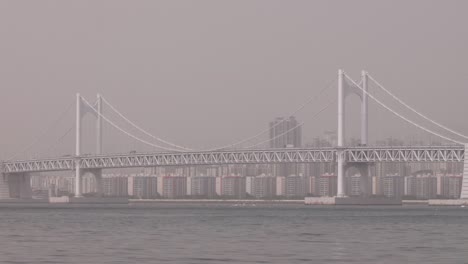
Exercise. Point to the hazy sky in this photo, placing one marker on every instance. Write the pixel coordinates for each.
(204, 73)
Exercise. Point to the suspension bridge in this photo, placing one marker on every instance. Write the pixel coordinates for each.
(167, 153)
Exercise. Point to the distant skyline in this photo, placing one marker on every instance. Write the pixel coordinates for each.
(208, 73)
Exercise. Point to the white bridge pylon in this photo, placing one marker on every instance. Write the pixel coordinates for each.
(344, 90)
(81, 110)
(361, 89)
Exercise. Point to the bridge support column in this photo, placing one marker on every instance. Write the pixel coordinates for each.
(344, 89)
(25, 186)
(78, 147)
(85, 187)
(364, 110)
(98, 179)
(99, 126)
(19, 186)
(77, 178)
(4, 187)
(341, 172)
(364, 171)
(464, 189)
(341, 122)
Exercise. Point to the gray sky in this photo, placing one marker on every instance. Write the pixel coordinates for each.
(204, 73)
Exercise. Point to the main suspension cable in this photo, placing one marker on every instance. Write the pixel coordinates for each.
(127, 133)
(45, 132)
(414, 110)
(402, 117)
(141, 129)
(311, 99)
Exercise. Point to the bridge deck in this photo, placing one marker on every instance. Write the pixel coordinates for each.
(265, 156)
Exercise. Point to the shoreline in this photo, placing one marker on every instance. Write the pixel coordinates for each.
(240, 203)
(215, 201)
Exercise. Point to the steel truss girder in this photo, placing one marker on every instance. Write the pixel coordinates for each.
(59, 164)
(271, 156)
(406, 154)
(210, 158)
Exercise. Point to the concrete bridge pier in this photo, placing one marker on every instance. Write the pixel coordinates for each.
(363, 169)
(97, 173)
(365, 180)
(464, 189)
(25, 191)
(16, 185)
(78, 175)
(4, 187)
(98, 178)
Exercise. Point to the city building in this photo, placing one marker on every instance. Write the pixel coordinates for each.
(449, 186)
(115, 186)
(143, 187)
(421, 186)
(61, 185)
(376, 185)
(280, 186)
(261, 186)
(231, 187)
(172, 186)
(201, 186)
(295, 186)
(353, 185)
(393, 186)
(285, 132)
(327, 185)
(311, 186)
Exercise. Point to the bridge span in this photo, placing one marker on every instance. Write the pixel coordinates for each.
(341, 154)
(260, 156)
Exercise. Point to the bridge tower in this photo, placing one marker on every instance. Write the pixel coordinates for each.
(345, 89)
(464, 188)
(98, 172)
(81, 110)
(79, 115)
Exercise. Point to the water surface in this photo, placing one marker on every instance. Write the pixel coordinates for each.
(224, 234)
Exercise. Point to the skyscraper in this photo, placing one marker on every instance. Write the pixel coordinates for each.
(285, 131)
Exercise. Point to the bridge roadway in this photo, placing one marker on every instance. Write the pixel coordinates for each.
(259, 156)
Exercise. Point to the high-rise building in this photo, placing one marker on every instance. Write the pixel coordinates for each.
(311, 185)
(327, 185)
(63, 184)
(115, 186)
(231, 186)
(172, 186)
(421, 186)
(376, 185)
(280, 186)
(261, 186)
(393, 186)
(353, 185)
(449, 186)
(295, 186)
(201, 186)
(285, 132)
(143, 187)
